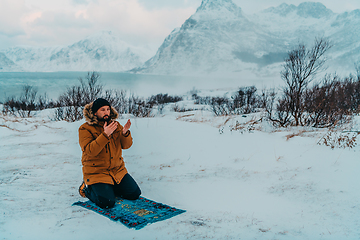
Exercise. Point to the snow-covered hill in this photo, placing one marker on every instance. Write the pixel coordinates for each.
(220, 37)
(100, 52)
(246, 181)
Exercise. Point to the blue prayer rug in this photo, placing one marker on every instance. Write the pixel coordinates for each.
(134, 213)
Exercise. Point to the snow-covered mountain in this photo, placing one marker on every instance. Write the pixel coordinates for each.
(6, 65)
(219, 37)
(101, 52)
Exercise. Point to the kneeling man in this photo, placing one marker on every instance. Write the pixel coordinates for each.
(102, 140)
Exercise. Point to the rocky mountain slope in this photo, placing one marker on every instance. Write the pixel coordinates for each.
(219, 36)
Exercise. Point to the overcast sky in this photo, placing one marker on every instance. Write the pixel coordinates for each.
(63, 22)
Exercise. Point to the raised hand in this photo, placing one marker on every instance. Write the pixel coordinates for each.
(109, 129)
(126, 127)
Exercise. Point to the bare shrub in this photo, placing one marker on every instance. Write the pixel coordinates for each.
(177, 108)
(335, 139)
(267, 102)
(139, 107)
(71, 103)
(164, 99)
(352, 92)
(28, 102)
(69, 114)
(160, 100)
(91, 87)
(10, 106)
(282, 115)
(118, 99)
(24, 105)
(245, 100)
(356, 96)
(300, 68)
(43, 102)
(202, 100)
(221, 106)
(327, 104)
(248, 126)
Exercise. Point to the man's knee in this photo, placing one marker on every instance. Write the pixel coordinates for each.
(134, 195)
(101, 194)
(105, 202)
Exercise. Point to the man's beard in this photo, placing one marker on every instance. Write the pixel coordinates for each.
(103, 119)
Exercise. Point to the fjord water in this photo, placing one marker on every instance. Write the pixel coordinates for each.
(55, 83)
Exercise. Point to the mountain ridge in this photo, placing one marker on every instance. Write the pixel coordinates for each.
(305, 10)
(241, 42)
(218, 37)
(104, 51)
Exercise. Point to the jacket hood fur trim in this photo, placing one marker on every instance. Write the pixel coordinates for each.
(91, 119)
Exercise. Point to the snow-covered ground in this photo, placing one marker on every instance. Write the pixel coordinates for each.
(253, 183)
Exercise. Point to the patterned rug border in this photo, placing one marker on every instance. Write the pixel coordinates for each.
(134, 214)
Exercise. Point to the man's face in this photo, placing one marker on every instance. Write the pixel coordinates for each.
(103, 113)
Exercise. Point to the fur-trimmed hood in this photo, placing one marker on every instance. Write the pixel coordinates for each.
(91, 119)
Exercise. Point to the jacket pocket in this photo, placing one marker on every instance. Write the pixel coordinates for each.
(94, 163)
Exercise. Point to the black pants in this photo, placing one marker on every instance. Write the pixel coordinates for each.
(104, 195)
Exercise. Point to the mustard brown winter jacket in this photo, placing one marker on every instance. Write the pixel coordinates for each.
(102, 155)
